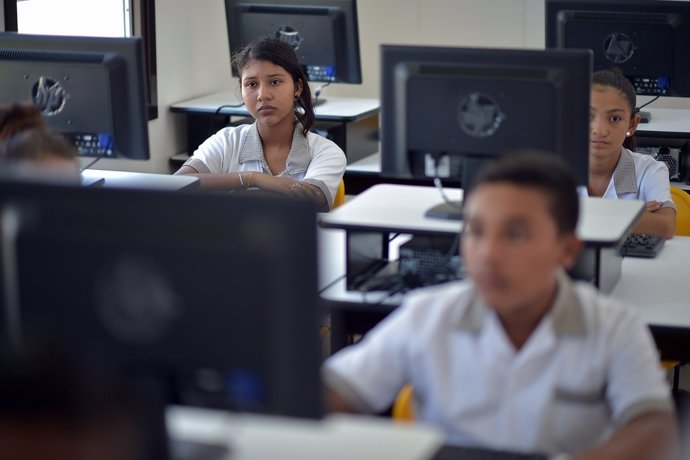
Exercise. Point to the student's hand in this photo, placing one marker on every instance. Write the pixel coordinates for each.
(653, 206)
(305, 190)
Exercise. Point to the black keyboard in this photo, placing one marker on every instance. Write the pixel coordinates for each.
(642, 245)
(472, 453)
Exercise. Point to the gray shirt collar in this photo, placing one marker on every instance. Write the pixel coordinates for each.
(567, 314)
(624, 176)
(298, 159)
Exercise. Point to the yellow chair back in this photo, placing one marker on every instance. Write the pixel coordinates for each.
(403, 406)
(339, 195)
(681, 199)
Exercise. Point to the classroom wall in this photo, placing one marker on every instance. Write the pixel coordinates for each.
(193, 56)
(192, 60)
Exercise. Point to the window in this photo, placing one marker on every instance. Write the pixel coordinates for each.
(107, 18)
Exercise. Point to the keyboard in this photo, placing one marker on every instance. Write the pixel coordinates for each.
(642, 245)
(472, 453)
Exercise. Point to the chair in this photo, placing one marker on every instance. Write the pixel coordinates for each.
(339, 195)
(403, 406)
(681, 199)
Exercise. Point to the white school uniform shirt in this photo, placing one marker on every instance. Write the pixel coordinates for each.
(313, 159)
(639, 177)
(589, 367)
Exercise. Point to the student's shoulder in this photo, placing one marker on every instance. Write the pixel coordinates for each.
(603, 312)
(318, 144)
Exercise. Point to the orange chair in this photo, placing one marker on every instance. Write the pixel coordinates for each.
(681, 199)
(403, 406)
(339, 195)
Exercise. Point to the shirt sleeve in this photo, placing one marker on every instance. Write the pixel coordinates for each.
(636, 382)
(211, 154)
(655, 185)
(326, 168)
(370, 373)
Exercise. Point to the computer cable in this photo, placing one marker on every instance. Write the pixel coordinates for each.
(211, 126)
(84, 168)
(638, 109)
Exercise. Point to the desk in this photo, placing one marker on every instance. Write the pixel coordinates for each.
(667, 123)
(147, 181)
(367, 219)
(659, 289)
(336, 437)
(351, 123)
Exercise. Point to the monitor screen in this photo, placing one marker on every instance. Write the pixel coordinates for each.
(324, 33)
(648, 40)
(212, 296)
(446, 111)
(90, 89)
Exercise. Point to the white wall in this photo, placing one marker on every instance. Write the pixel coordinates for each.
(193, 56)
(192, 60)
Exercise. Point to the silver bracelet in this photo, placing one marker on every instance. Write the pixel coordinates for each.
(241, 181)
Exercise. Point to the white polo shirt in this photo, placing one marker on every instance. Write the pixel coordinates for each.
(589, 367)
(639, 177)
(313, 159)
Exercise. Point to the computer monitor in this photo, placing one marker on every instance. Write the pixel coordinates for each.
(446, 111)
(213, 297)
(324, 33)
(90, 89)
(649, 40)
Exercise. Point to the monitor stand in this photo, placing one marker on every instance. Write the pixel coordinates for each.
(452, 210)
(318, 101)
(446, 211)
(645, 117)
(190, 450)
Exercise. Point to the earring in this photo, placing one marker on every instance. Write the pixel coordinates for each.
(628, 134)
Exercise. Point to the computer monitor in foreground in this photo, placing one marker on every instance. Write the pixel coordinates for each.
(90, 89)
(324, 33)
(446, 111)
(213, 298)
(649, 40)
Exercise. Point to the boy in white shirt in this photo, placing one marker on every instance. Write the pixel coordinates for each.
(518, 357)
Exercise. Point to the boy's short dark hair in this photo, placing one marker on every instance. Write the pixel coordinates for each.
(542, 171)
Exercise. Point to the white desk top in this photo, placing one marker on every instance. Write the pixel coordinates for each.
(336, 437)
(334, 108)
(659, 288)
(148, 181)
(370, 164)
(669, 122)
(401, 208)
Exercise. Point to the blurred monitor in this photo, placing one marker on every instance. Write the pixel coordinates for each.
(90, 89)
(447, 111)
(212, 297)
(324, 33)
(649, 40)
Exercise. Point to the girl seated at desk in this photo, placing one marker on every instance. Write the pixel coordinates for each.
(615, 170)
(277, 153)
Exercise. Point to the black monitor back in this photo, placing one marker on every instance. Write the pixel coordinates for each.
(324, 33)
(91, 89)
(214, 296)
(478, 103)
(648, 40)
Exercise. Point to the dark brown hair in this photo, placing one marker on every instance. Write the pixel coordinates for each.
(544, 172)
(19, 117)
(281, 54)
(36, 144)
